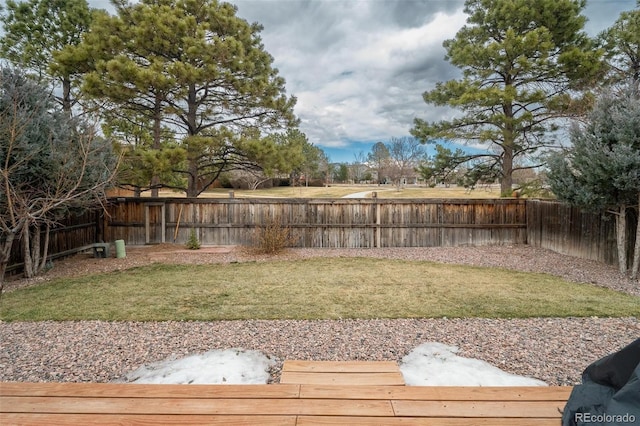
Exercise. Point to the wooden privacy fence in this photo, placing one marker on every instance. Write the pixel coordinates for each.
(348, 223)
(353, 223)
(69, 233)
(570, 230)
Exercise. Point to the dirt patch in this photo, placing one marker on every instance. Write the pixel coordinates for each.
(83, 264)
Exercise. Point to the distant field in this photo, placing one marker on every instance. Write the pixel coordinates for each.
(338, 191)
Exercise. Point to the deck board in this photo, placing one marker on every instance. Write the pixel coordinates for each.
(507, 409)
(340, 366)
(130, 390)
(422, 421)
(362, 379)
(440, 393)
(147, 420)
(364, 373)
(186, 406)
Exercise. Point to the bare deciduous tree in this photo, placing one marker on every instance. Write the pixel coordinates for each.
(405, 154)
(51, 165)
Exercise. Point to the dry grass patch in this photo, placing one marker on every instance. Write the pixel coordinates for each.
(452, 192)
(338, 191)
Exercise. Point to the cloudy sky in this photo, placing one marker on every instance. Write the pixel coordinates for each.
(359, 67)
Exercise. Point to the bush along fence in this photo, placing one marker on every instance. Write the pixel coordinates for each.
(347, 223)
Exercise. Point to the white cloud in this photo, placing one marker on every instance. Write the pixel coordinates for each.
(355, 66)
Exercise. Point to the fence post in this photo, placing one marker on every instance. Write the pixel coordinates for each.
(378, 237)
(147, 231)
(163, 220)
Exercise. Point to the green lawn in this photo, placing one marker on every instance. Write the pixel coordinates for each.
(319, 288)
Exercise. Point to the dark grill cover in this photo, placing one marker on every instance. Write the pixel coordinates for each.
(610, 391)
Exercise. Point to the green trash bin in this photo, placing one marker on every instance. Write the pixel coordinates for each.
(120, 250)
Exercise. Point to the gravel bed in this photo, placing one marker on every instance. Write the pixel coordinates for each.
(555, 350)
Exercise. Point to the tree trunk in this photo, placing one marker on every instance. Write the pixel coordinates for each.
(35, 259)
(508, 133)
(636, 250)
(192, 109)
(621, 238)
(157, 136)
(5, 252)
(506, 183)
(26, 252)
(192, 179)
(155, 182)
(45, 249)
(66, 95)
(35, 250)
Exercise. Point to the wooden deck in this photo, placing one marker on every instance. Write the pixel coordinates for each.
(306, 403)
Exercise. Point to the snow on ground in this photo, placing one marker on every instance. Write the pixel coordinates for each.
(229, 366)
(430, 364)
(436, 364)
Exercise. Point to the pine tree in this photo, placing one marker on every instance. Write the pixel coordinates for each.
(601, 171)
(196, 67)
(35, 30)
(521, 62)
